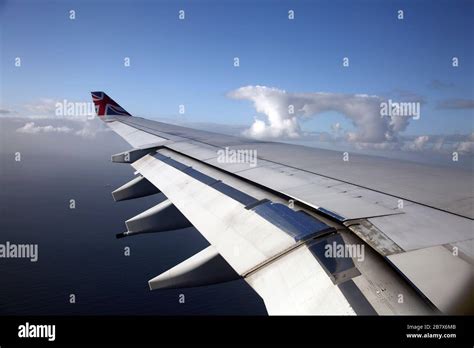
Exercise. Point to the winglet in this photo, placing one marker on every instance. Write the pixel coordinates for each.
(106, 106)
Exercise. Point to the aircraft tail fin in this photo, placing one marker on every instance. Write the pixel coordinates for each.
(106, 106)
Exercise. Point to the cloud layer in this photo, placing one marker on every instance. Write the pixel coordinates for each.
(43, 110)
(31, 128)
(88, 129)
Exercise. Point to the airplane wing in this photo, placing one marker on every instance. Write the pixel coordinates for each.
(310, 230)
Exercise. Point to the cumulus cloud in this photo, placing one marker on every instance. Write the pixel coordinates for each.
(275, 104)
(283, 110)
(467, 145)
(440, 143)
(419, 143)
(31, 128)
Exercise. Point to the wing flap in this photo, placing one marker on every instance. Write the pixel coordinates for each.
(445, 279)
(296, 284)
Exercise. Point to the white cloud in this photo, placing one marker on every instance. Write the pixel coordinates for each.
(383, 146)
(442, 144)
(419, 143)
(466, 146)
(361, 109)
(91, 129)
(30, 128)
(372, 132)
(88, 130)
(76, 115)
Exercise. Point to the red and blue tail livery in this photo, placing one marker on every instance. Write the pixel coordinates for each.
(106, 106)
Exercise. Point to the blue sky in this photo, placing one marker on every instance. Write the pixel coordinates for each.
(190, 62)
